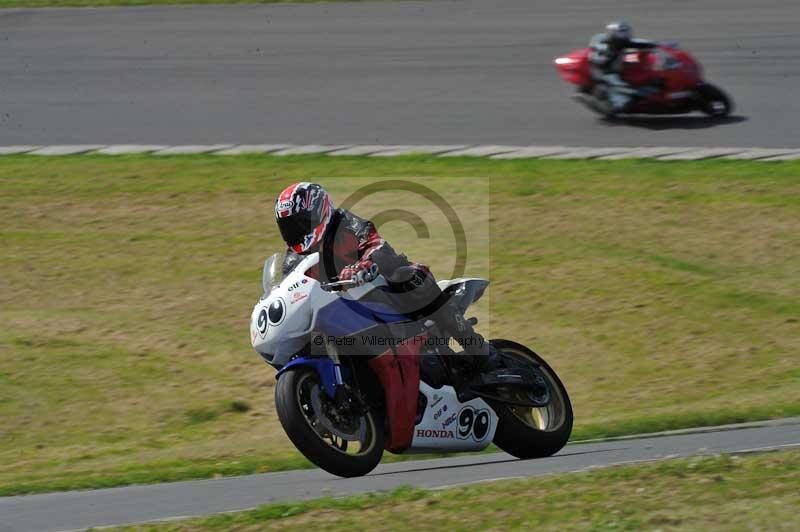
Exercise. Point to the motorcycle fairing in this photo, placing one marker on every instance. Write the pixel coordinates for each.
(301, 299)
(324, 367)
(398, 372)
(346, 317)
(465, 291)
(574, 67)
(447, 424)
(675, 68)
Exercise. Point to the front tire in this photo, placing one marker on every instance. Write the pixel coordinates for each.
(527, 432)
(298, 397)
(599, 102)
(713, 101)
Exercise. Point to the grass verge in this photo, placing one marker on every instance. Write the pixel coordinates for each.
(708, 493)
(664, 294)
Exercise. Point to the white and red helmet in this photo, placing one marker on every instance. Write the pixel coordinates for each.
(303, 212)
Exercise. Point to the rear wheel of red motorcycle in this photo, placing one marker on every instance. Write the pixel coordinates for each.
(713, 101)
(527, 432)
(341, 444)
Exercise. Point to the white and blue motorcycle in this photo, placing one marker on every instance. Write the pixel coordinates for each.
(338, 414)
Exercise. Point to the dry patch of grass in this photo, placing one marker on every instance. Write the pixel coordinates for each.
(664, 294)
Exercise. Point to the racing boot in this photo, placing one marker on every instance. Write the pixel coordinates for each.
(620, 95)
(483, 354)
(417, 295)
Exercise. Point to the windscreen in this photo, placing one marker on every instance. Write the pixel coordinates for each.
(273, 272)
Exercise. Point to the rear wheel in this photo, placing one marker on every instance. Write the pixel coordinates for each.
(527, 432)
(341, 443)
(713, 101)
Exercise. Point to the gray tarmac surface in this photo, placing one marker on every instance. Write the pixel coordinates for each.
(82, 509)
(434, 72)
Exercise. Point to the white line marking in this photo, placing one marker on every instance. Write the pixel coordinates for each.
(125, 149)
(11, 150)
(470, 482)
(644, 153)
(411, 150)
(532, 152)
(766, 448)
(192, 149)
(67, 149)
(243, 149)
(696, 430)
(700, 154)
(312, 149)
(792, 156)
(750, 154)
(367, 149)
(481, 151)
(587, 153)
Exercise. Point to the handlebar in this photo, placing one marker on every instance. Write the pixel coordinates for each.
(338, 285)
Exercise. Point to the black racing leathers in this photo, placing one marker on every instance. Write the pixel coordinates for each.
(353, 241)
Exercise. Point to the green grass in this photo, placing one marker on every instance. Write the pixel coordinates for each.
(711, 493)
(666, 295)
(113, 3)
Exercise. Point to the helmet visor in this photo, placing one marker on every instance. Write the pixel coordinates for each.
(294, 229)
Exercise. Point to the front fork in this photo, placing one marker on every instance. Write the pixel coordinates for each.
(333, 353)
(343, 394)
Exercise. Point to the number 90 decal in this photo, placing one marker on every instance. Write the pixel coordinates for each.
(473, 424)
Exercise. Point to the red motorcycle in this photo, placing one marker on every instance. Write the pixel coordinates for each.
(669, 81)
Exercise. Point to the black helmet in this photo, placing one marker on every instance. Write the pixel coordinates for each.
(303, 212)
(619, 31)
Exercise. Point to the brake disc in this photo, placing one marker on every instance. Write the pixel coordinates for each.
(355, 433)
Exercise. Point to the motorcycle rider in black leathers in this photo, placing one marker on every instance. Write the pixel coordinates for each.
(607, 60)
(308, 221)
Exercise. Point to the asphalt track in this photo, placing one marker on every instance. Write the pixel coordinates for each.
(435, 72)
(83, 509)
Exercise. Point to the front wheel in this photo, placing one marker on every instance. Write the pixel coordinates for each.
(600, 102)
(527, 432)
(341, 443)
(713, 101)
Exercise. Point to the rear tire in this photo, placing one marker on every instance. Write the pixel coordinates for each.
(533, 432)
(713, 101)
(302, 425)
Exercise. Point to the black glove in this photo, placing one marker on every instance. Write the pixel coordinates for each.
(360, 272)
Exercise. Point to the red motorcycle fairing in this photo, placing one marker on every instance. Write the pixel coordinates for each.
(674, 72)
(574, 68)
(398, 372)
